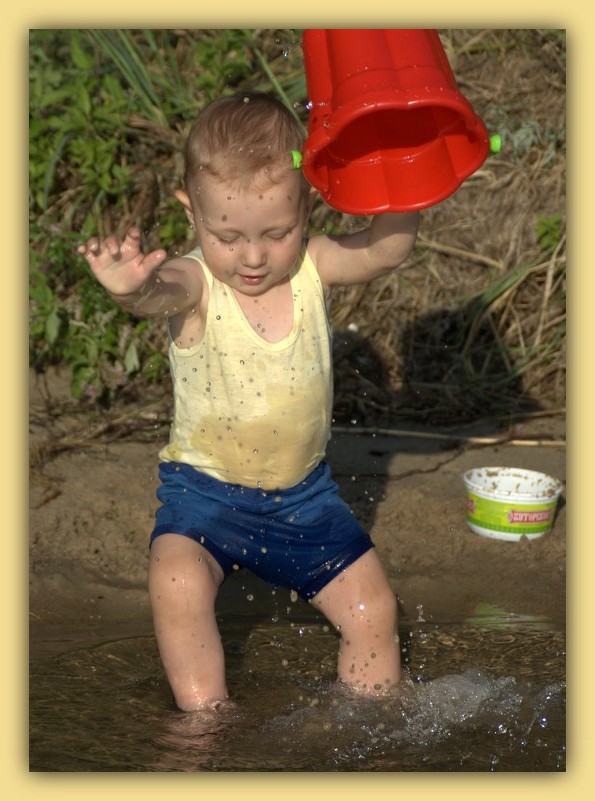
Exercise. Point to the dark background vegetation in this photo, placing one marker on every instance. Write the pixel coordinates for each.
(472, 326)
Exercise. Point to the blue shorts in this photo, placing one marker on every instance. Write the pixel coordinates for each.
(299, 538)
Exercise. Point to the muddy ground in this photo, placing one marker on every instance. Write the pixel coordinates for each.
(92, 504)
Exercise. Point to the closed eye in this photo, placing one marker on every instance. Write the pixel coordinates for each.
(278, 236)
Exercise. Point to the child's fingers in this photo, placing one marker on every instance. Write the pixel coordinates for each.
(113, 245)
(133, 236)
(154, 259)
(127, 248)
(89, 248)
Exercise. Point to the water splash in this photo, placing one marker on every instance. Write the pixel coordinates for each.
(457, 722)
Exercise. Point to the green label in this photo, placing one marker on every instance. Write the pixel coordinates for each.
(507, 516)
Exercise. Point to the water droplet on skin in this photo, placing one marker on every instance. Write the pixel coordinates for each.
(293, 596)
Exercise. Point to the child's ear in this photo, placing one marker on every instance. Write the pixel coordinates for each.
(185, 201)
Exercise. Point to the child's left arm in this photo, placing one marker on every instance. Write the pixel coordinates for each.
(365, 255)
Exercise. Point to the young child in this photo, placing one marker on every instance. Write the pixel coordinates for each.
(244, 482)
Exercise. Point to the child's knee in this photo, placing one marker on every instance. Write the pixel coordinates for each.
(382, 606)
(176, 580)
(376, 611)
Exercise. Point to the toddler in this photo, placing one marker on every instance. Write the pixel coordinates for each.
(243, 479)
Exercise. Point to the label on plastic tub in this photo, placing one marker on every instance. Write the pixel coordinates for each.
(519, 516)
(509, 518)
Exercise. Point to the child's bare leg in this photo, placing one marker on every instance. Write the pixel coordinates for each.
(183, 584)
(362, 606)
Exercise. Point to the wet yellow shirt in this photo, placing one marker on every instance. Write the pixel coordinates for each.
(248, 411)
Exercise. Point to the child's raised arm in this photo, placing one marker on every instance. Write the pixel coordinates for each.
(143, 284)
(368, 254)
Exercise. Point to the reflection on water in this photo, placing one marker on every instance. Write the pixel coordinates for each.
(475, 698)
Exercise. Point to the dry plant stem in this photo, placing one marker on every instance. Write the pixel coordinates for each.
(501, 301)
(549, 280)
(394, 432)
(500, 343)
(85, 439)
(465, 254)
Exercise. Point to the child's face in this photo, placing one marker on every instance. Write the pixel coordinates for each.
(250, 239)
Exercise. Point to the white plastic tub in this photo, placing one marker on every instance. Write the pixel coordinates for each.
(507, 503)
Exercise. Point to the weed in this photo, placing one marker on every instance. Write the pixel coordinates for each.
(104, 104)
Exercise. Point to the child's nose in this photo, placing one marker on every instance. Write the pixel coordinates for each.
(253, 254)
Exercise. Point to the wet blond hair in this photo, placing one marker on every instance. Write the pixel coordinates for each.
(241, 140)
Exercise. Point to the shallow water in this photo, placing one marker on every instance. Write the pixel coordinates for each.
(487, 694)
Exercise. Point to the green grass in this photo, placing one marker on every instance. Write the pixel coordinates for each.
(104, 104)
(109, 111)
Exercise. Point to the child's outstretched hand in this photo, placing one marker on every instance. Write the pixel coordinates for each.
(120, 265)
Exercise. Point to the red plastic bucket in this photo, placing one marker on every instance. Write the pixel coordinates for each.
(388, 129)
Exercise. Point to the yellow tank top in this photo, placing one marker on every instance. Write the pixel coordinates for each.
(248, 411)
